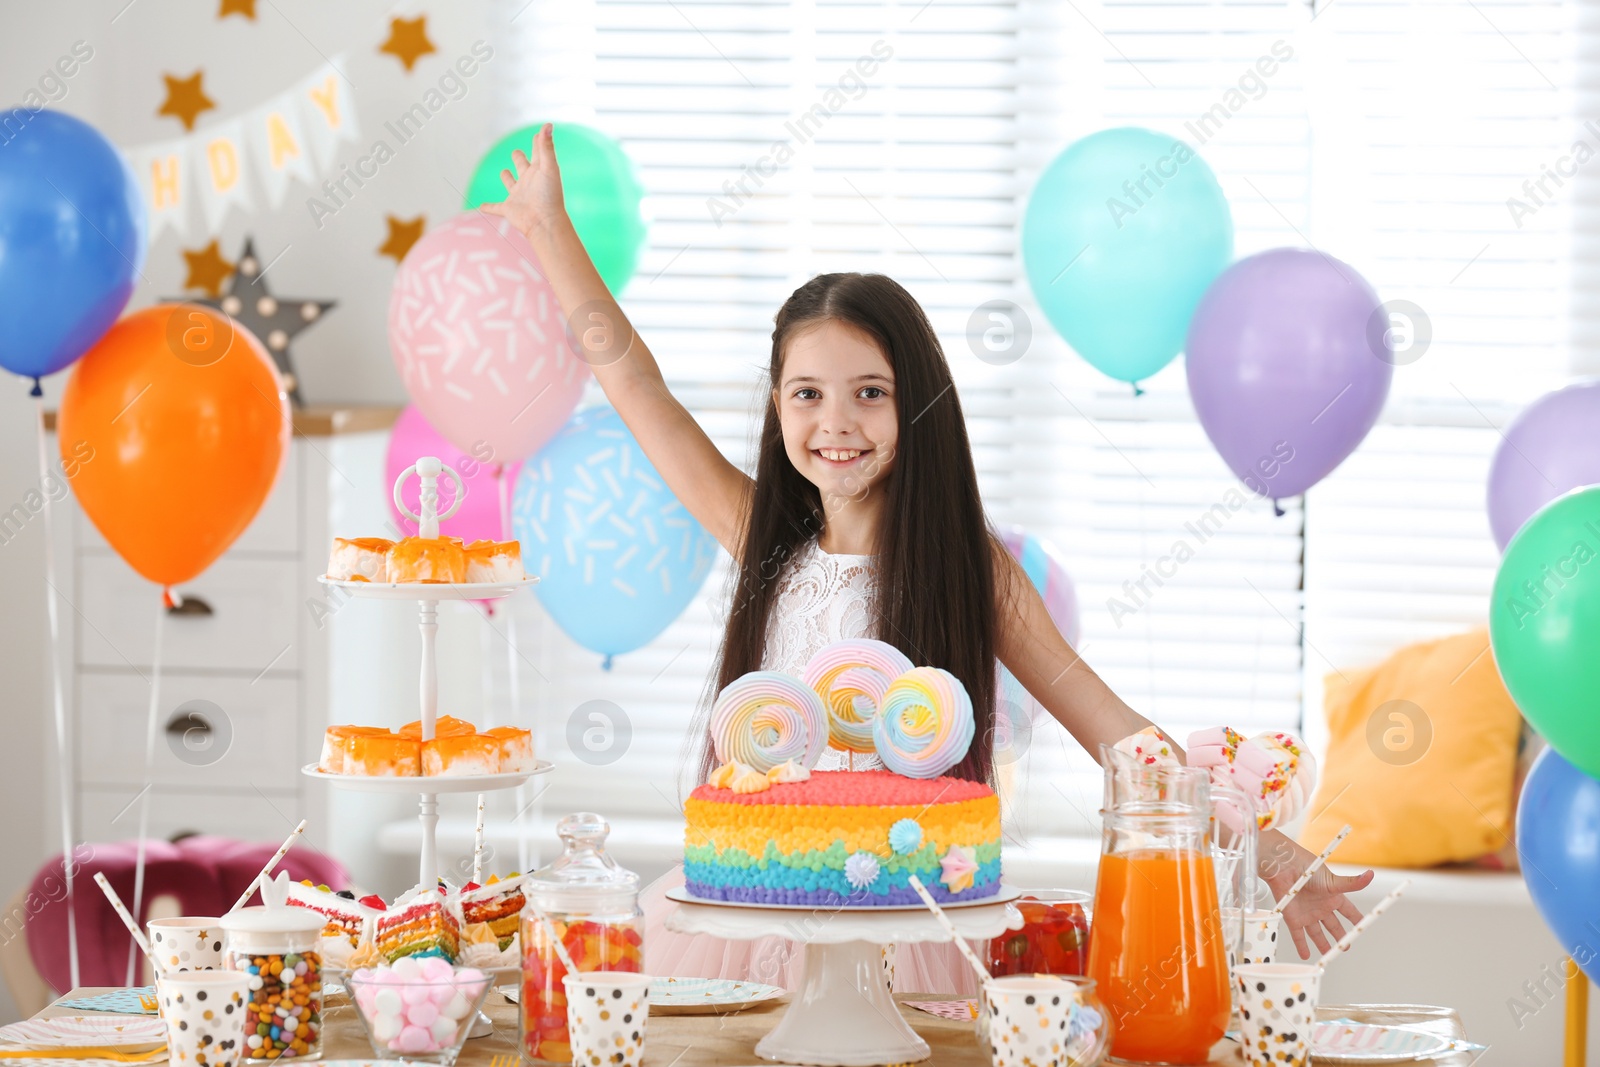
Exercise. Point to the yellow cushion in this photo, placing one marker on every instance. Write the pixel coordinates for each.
(1420, 762)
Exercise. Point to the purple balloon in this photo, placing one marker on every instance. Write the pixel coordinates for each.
(1289, 364)
(1549, 449)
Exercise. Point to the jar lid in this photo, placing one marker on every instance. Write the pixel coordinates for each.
(260, 919)
(583, 876)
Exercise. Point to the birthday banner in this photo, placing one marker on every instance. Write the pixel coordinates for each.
(200, 177)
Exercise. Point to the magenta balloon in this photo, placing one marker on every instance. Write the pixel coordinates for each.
(479, 518)
(1550, 448)
(1289, 366)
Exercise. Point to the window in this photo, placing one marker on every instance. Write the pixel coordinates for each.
(927, 124)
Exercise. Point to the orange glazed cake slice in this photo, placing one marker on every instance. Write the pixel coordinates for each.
(427, 559)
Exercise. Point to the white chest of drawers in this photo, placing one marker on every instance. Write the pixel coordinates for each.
(247, 670)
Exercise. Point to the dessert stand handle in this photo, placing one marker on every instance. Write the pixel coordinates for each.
(428, 468)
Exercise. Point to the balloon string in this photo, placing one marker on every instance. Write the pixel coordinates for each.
(514, 677)
(64, 767)
(149, 787)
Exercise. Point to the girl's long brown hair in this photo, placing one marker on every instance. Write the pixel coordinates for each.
(934, 583)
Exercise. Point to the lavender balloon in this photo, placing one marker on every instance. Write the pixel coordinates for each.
(1550, 448)
(1289, 364)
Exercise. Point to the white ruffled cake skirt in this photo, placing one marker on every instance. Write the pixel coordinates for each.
(931, 967)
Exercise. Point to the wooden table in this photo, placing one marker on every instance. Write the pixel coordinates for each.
(729, 1040)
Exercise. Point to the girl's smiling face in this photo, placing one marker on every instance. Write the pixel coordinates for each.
(836, 404)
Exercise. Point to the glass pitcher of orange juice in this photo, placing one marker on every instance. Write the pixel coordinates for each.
(1157, 945)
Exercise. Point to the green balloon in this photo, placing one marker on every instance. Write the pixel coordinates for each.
(1544, 624)
(602, 193)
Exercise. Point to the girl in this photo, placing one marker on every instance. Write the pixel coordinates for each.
(863, 520)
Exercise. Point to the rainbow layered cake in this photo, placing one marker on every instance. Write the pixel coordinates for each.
(767, 829)
(348, 918)
(498, 904)
(844, 837)
(423, 922)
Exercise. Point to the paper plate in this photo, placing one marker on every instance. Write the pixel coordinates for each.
(79, 1031)
(706, 996)
(1340, 1042)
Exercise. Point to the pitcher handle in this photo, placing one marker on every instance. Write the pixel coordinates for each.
(1240, 800)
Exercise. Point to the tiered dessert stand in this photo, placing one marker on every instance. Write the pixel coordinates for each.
(428, 596)
(843, 1014)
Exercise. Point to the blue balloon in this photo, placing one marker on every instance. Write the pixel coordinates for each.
(1558, 841)
(1124, 231)
(617, 556)
(72, 239)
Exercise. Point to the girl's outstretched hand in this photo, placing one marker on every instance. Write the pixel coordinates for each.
(533, 194)
(1316, 911)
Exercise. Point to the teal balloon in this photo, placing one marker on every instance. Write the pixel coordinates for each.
(618, 558)
(1123, 233)
(1544, 624)
(598, 183)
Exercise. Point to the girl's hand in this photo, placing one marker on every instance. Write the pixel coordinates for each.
(533, 194)
(1316, 911)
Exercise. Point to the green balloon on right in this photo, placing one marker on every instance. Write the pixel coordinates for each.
(602, 192)
(1544, 624)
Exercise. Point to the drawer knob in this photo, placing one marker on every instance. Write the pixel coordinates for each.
(190, 605)
(188, 724)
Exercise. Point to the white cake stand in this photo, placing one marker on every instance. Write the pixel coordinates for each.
(427, 595)
(842, 1015)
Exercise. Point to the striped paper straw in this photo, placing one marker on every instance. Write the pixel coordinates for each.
(1355, 931)
(127, 920)
(273, 862)
(1311, 869)
(950, 928)
(477, 845)
(550, 932)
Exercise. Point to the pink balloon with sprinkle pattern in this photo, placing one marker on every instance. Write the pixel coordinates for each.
(480, 340)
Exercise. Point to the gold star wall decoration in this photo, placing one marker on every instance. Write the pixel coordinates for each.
(402, 235)
(185, 99)
(247, 8)
(207, 269)
(408, 40)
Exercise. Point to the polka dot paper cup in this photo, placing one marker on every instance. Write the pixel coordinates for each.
(1277, 1009)
(187, 943)
(1260, 935)
(205, 1013)
(606, 1013)
(1044, 1020)
(1260, 941)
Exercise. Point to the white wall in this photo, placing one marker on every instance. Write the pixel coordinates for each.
(344, 358)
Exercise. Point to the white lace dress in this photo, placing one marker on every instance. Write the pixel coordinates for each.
(821, 598)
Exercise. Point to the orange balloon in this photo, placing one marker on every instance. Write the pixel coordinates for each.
(177, 426)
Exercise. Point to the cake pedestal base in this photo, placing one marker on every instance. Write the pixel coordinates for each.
(842, 1015)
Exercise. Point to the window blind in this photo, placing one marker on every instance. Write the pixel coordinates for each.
(921, 168)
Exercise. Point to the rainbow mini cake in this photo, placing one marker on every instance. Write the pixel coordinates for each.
(497, 904)
(423, 922)
(767, 829)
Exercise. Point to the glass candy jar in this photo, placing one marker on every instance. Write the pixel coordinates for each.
(593, 906)
(278, 948)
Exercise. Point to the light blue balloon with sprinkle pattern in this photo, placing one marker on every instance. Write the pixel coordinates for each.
(618, 557)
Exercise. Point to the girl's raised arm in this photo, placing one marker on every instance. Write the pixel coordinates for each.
(713, 489)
